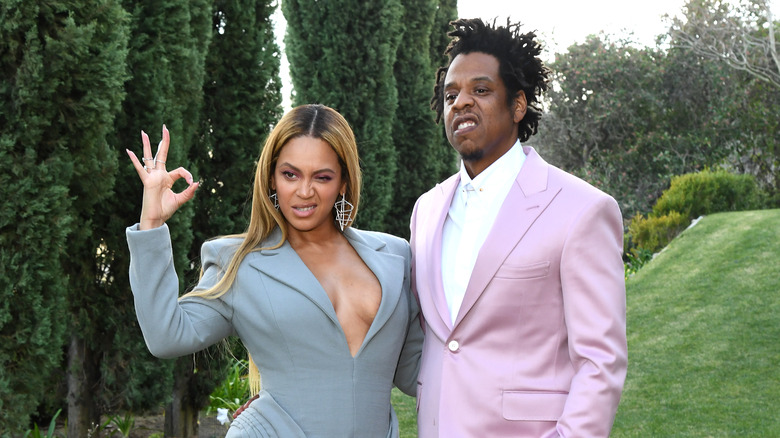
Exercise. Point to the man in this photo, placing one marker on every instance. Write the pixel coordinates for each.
(517, 264)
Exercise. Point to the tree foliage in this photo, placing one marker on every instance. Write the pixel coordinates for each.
(63, 68)
(742, 40)
(108, 363)
(242, 100)
(242, 103)
(375, 63)
(628, 119)
(342, 54)
(422, 161)
(744, 36)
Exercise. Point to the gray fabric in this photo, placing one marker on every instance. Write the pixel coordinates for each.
(312, 386)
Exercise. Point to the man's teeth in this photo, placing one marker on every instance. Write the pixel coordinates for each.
(466, 125)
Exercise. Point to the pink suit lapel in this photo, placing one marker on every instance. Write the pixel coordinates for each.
(437, 214)
(526, 200)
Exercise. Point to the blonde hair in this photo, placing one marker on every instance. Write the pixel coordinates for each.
(316, 121)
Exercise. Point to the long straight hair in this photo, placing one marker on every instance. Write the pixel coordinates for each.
(317, 121)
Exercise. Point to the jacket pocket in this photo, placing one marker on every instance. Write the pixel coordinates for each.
(533, 405)
(534, 270)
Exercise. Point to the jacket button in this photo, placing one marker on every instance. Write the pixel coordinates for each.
(453, 345)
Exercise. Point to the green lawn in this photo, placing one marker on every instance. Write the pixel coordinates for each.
(703, 332)
(406, 409)
(703, 335)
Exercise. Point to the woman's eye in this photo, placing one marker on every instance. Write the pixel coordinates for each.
(323, 178)
(287, 174)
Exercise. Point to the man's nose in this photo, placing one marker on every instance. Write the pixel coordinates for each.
(463, 100)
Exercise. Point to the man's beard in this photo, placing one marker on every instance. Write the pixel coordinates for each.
(472, 155)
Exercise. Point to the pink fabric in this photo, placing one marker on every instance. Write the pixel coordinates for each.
(540, 342)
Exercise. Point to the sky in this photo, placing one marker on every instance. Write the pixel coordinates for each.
(559, 23)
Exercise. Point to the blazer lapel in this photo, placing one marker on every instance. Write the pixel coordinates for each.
(439, 207)
(526, 200)
(388, 269)
(284, 265)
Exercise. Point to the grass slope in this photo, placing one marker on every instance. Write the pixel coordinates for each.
(703, 331)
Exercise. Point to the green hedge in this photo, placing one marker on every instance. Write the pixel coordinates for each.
(688, 197)
(655, 232)
(706, 192)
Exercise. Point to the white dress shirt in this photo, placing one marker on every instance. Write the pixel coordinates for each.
(473, 210)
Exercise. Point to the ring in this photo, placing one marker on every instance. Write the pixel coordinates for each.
(147, 168)
(158, 161)
(147, 159)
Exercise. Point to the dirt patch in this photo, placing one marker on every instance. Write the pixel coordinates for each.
(148, 426)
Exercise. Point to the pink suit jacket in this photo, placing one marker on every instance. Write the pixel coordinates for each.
(538, 348)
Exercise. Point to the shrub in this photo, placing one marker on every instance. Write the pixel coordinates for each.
(636, 258)
(654, 232)
(706, 192)
(688, 197)
(233, 392)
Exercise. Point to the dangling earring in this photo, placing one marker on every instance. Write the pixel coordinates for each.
(343, 212)
(274, 200)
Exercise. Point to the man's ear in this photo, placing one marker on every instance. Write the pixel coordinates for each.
(520, 106)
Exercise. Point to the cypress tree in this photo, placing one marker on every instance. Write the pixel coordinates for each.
(342, 55)
(63, 69)
(421, 160)
(166, 56)
(446, 12)
(242, 100)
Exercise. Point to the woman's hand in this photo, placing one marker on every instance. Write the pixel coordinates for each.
(159, 201)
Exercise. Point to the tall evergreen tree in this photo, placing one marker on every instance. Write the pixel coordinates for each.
(421, 159)
(166, 59)
(424, 156)
(242, 100)
(63, 68)
(342, 54)
(446, 12)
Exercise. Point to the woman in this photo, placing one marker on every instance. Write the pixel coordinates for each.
(324, 309)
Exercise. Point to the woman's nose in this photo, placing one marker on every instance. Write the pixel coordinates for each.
(305, 189)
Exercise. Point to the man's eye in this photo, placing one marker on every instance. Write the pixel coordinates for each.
(449, 97)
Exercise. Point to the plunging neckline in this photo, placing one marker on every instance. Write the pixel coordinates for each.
(332, 308)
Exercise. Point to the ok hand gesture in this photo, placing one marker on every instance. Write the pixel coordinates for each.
(159, 200)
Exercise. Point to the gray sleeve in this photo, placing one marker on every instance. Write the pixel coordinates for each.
(173, 327)
(409, 362)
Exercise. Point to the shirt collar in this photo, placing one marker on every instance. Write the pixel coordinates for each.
(499, 175)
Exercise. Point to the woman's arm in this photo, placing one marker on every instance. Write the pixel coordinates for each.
(171, 327)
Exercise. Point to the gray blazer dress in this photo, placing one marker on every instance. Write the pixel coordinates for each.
(312, 385)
